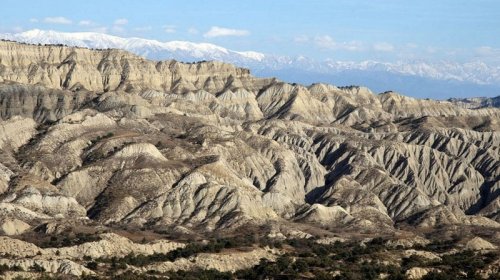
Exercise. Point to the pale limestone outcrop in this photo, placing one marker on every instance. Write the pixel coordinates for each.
(325, 215)
(477, 243)
(51, 266)
(407, 242)
(16, 132)
(11, 210)
(222, 261)
(49, 204)
(330, 240)
(13, 275)
(13, 227)
(138, 150)
(424, 254)
(5, 175)
(18, 248)
(415, 273)
(113, 245)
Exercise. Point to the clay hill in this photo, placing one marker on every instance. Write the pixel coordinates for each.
(105, 139)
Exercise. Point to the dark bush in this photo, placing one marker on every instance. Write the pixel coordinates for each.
(210, 274)
(92, 265)
(37, 268)
(301, 266)
(413, 261)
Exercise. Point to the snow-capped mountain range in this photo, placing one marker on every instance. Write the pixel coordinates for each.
(152, 49)
(481, 78)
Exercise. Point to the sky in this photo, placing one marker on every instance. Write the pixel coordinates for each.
(346, 30)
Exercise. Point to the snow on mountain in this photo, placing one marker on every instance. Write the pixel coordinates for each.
(149, 48)
(475, 72)
(478, 73)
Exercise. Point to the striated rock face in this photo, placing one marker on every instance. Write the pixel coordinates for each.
(77, 68)
(123, 141)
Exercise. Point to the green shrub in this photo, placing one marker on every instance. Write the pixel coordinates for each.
(301, 266)
(37, 268)
(209, 274)
(92, 265)
(413, 261)
(4, 268)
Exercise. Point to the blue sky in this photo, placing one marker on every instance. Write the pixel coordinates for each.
(384, 30)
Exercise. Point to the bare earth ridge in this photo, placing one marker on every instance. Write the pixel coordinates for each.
(107, 139)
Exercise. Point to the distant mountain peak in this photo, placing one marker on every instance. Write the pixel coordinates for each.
(417, 78)
(151, 48)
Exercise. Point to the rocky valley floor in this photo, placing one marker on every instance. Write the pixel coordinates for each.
(111, 165)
